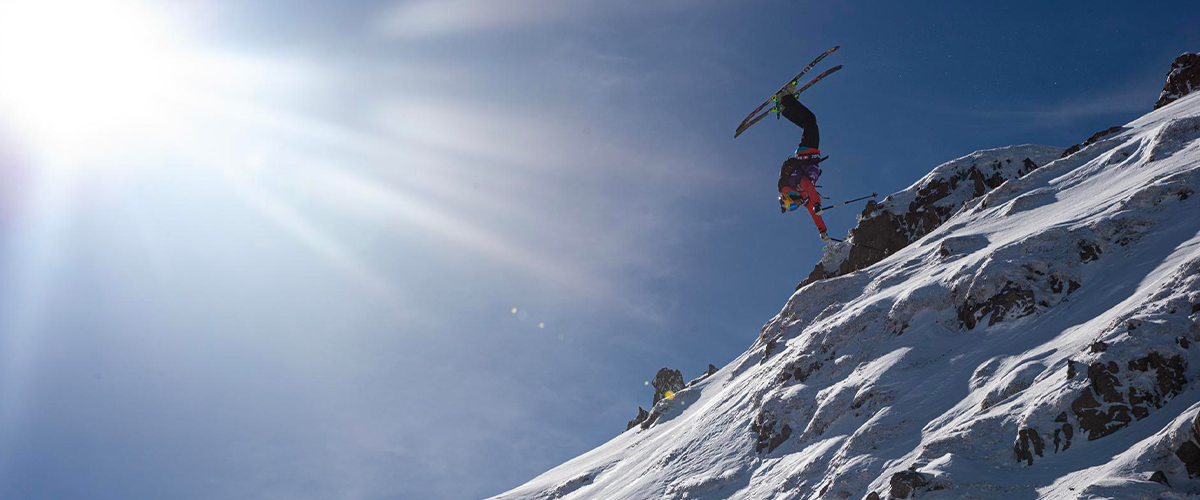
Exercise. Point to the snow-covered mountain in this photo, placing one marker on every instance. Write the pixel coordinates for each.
(1013, 325)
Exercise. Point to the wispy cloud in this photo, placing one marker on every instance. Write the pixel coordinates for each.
(422, 18)
(428, 18)
(1126, 100)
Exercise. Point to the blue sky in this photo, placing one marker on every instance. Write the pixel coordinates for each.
(288, 269)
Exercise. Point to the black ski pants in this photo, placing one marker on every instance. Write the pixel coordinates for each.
(803, 118)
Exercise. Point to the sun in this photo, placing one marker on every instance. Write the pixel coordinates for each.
(73, 74)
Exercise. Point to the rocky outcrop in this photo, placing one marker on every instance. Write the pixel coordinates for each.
(1012, 299)
(768, 431)
(1106, 406)
(905, 483)
(1091, 140)
(1189, 452)
(666, 382)
(1182, 79)
(886, 227)
(641, 417)
(1028, 444)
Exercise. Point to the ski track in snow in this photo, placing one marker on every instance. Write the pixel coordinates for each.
(1080, 278)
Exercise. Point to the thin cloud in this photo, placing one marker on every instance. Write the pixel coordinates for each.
(1129, 100)
(432, 18)
(425, 18)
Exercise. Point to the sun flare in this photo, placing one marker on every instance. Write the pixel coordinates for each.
(76, 73)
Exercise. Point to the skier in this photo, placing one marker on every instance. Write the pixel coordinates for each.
(799, 173)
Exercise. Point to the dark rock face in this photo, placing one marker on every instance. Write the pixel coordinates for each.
(1169, 381)
(666, 380)
(1116, 409)
(1091, 140)
(768, 349)
(1011, 299)
(1089, 251)
(1160, 477)
(1028, 444)
(881, 232)
(1189, 454)
(768, 438)
(871, 496)
(800, 370)
(707, 373)
(1063, 434)
(904, 483)
(641, 417)
(1182, 79)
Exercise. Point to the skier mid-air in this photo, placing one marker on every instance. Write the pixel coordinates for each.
(799, 173)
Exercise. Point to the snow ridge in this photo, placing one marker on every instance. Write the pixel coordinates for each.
(1040, 341)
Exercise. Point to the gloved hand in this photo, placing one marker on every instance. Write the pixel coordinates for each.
(825, 237)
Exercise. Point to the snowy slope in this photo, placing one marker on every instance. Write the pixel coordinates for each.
(1040, 343)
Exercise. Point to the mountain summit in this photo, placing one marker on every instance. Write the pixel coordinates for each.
(1020, 323)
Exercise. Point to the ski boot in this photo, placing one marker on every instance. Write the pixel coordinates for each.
(788, 89)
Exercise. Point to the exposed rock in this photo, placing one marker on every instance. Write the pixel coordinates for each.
(667, 380)
(1062, 437)
(884, 229)
(1169, 380)
(1088, 251)
(871, 496)
(1196, 428)
(641, 417)
(1057, 285)
(904, 483)
(1105, 382)
(1189, 454)
(1090, 140)
(707, 373)
(1093, 419)
(767, 350)
(800, 370)
(1028, 444)
(1160, 477)
(768, 439)
(1182, 79)
(1011, 299)
(654, 414)
(1101, 419)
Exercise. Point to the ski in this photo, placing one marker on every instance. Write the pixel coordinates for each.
(756, 119)
(792, 82)
(847, 202)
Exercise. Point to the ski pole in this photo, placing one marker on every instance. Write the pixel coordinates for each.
(847, 202)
